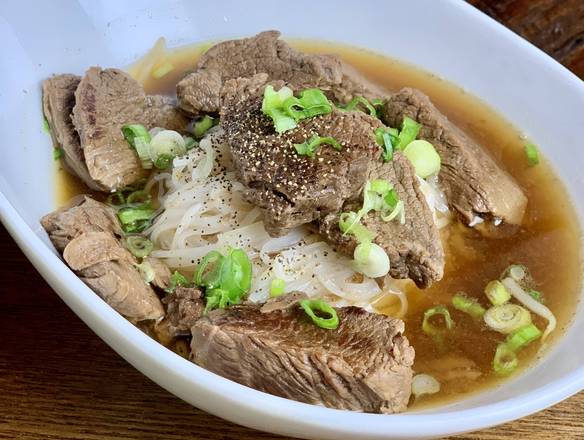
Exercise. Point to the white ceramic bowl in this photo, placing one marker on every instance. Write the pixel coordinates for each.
(448, 38)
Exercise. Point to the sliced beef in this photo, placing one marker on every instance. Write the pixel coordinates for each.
(88, 234)
(200, 91)
(292, 189)
(474, 184)
(58, 102)
(161, 272)
(363, 365)
(283, 302)
(414, 248)
(184, 307)
(105, 100)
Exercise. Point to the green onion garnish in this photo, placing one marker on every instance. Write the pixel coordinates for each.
(522, 337)
(359, 100)
(505, 361)
(226, 278)
(312, 306)
(468, 305)
(46, 127)
(424, 158)
(177, 279)
(536, 295)
(432, 329)
(371, 260)
(309, 147)
(277, 287)
(132, 132)
(531, 154)
(57, 153)
(349, 224)
(202, 126)
(135, 219)
(386, 139)
(116, 199)
(507, 318)
(138, 198)
(409, 131)
(190, 143)
(378, 104)
(286, 110)
(139, 246)
(497, 293)
(163, 161)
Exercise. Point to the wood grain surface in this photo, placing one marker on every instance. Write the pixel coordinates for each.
(60, 381)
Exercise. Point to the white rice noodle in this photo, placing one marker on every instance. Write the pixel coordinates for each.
(204, 210)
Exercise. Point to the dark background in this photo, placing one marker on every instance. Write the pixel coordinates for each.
(60, 381)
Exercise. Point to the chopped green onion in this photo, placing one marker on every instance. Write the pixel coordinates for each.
(505, 360)
(143, 150)
(468, 305)
(132, 132)
(371, 260)
(378, 104)
(277, 287)
(165, 146)
(201, 127)
(308, 148)
(58, 153)
(177, 279)
(46, 127)
(409, 131)
(536, 295)
(424, 158)
(312, 306)
(349, 224)
(162, 70)
(431, 329)
(522, 337)
(531, 154)
(310, 103)
(507, 318)
(226, 278)
(272, 107)
(190, 143)
(139, 246)
(387, 139)
(139, 198)
(146, 271)
(497, 293)
(135, 219)
(359, 100)
(116, 199)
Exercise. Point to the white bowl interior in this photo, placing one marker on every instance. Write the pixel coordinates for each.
(448, 38)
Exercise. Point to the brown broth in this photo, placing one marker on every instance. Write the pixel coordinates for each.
(548, 243)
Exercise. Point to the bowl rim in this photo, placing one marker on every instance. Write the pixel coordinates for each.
(247, 406)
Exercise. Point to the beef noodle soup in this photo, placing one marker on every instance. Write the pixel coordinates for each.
(301, 225)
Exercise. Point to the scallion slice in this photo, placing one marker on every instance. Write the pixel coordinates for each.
(139, 246)
(132, 132)
(310, 103)
(409, 131)
(468, 305)
(277, 287)
(507, 318)
(531, 154)
(202, 126)
(497, 293)
(349, 224)
(165, 146)
(314, 306)
(432, 329)
(424, 158)
(522, 337)
(371, 260)
(58, 153)
(177, 279)
(505, 360)
(387, 139)
(360, 101)
(309, 147)
(135, 219)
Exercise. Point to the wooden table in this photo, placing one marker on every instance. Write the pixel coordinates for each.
(60, 381)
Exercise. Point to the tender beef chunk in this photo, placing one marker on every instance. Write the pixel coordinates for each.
(283, 302)
(264, 53)
(363, 365)
(184, 307)
(414, 248)
(88, 234)
(474, 184)
(105, 100)
(58, 102)
(161, 272)
(81, 215)
(292, 189)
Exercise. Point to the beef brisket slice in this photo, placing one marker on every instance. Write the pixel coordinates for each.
(58, 103)
(200, 91)
(414, 248)
(363, 365)
(473, 183)
(184, 307)
(105, 100)
(88, 235)
(292, 189)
